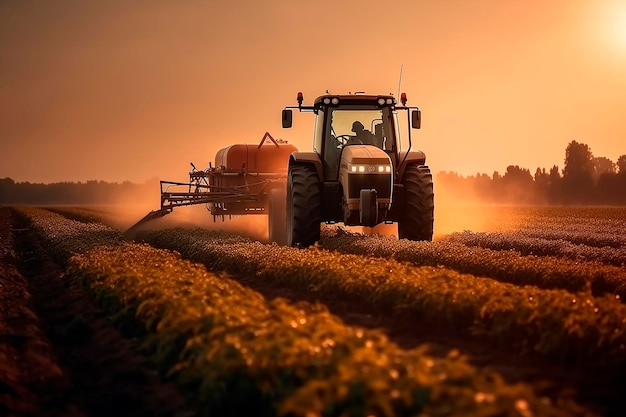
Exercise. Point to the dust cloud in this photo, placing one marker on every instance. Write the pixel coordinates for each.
(123, 216)
(459, 209)
(456, 209)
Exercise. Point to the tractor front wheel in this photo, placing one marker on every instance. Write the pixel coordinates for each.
(304, 205)
(417, 217)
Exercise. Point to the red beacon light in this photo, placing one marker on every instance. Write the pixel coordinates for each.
(300, 98)
(403, 99)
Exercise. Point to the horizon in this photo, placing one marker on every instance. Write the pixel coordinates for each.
(464, 176)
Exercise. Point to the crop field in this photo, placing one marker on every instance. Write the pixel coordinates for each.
(520, 317)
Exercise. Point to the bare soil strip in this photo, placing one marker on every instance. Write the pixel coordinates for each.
(31, 382)
(78, 363)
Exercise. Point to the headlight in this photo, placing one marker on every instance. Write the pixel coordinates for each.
(380, 169)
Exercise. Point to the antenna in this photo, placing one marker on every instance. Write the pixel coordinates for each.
(400, 80)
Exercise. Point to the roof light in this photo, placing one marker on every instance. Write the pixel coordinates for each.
(403, 99)
(381, 101)
(300, 98)
(389, 101)
(335, 101)
(326, 101)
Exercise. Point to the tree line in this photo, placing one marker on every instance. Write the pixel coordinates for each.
(585, 179)
(90, 192)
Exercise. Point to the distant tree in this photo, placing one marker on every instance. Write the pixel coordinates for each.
(483, 186)
(621, 164)
(555, 192)
(578, 173)
(6, 189)
(517, 185)
(497, 186)
(515, 173)
(541, 185)
(603, 165)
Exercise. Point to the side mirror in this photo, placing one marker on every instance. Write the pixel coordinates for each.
(287, 118)
(416, 119)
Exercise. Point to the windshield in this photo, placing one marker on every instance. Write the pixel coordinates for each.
(360, 127)
(354, 126)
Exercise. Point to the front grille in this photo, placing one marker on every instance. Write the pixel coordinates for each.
(380, 182)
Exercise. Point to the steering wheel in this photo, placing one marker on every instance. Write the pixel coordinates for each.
(343, 139)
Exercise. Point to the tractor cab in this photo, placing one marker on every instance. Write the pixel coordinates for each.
(356, 119)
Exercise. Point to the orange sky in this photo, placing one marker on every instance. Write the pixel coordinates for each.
(120, 90)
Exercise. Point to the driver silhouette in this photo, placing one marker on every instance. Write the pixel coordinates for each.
(361, 136)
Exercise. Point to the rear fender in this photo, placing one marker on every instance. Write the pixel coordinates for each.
(308, 158)
(413, 157)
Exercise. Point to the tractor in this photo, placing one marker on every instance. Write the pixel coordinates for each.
(357, 173)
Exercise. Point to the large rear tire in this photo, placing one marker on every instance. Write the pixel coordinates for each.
(277, 216)
(417, 218)
(304, 197)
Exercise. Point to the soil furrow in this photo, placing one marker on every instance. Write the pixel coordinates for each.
(106, 373)
(31, 382)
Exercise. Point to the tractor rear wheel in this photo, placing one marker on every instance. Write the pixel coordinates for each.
(304, 205)
(417, 218)
(277, 216)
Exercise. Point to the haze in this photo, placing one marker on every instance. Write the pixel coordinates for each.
(120, 90)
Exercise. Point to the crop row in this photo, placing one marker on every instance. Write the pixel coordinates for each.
(80, 214)
(591, 226)
(526, 245)
(511, 266)
(607, 236)
(241, 355)
(66, 237)
(569, 216)
(576, 328)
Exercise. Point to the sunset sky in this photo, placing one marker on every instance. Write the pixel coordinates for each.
(131, 90)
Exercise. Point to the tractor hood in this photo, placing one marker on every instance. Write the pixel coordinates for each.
(365, 167)
(365, 155)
